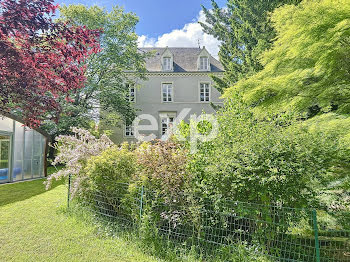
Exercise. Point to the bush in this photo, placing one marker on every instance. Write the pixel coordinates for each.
(111, 169)
(270, 160)
(163, 169)
(74, 152)
(163, 173)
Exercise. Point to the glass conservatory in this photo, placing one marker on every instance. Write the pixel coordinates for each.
(22, 151)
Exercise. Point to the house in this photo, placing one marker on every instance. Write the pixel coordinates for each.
(22, 151)
(177, 78)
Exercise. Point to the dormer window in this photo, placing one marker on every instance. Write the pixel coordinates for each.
(166, 63)
(204, 63)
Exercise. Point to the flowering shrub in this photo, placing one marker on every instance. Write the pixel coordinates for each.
(74, 152)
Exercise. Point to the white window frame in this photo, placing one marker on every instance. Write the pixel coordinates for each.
(167, 66)
(205, 93)
(131, 96)
(167, 94)
(129, 131)
(204, 66)
(169, 119)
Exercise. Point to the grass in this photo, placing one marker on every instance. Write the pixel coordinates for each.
(35, 227)
(10, 193)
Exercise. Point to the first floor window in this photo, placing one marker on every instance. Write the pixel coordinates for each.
(131, 93)
(204, 92)
(167, 123)
(129, 130)
(167, 92)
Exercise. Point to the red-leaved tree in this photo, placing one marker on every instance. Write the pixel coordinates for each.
(41, 61)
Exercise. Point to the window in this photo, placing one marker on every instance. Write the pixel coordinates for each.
(129, 130)
(167, 92)
(204, 92)
(204, 63)
(131, 93)
(166, 63)
(167, 123)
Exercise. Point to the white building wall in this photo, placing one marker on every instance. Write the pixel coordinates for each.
(185, 95)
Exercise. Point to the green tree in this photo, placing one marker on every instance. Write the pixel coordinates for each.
(105, 93)
(308, 67)
(274, 160)
(245, 31)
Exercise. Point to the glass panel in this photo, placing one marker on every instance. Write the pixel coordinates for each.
(18, 152)
(204, 92)
(166, 63)
(169, 93)
(129, 130)
(4, 158)
(28, 153)
(43, 139)
(6, 124)
(132, 94)
(204, 63)
(164, 128)
(36, 154)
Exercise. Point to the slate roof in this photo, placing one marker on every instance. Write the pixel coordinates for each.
(185, 59)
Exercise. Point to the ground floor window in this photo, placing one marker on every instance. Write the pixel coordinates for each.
(167, 123)
(129, 130)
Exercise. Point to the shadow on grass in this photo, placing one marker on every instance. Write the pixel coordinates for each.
(11, 193)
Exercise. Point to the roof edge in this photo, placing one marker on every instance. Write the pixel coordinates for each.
(20, 120)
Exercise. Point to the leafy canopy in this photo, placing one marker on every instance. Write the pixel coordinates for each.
(105, 90)
(40, 60)
(245, 31)
(308, 67)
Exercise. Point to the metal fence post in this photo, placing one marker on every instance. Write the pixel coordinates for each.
(69, 181)
(317, 244)
(141, 202)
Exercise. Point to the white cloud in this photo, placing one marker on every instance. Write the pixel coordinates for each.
(188, 36)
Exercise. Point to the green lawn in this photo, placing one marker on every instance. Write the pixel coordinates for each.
(34, 227)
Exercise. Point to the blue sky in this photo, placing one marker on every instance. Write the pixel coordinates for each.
(164, 22)
(156, 16)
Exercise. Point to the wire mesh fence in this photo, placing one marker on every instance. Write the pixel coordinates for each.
(277, 233)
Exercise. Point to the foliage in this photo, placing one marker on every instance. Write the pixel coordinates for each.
(307, 68)
(164, 174)
(274, 160)
(110, 168)
(163, 168)
(40, 60)
(105, 92)
(245, 31)
(74, 152)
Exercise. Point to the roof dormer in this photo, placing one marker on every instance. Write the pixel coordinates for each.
(203, 63)
(167, 60)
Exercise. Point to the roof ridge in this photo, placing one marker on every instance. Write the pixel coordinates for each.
(185, 59)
